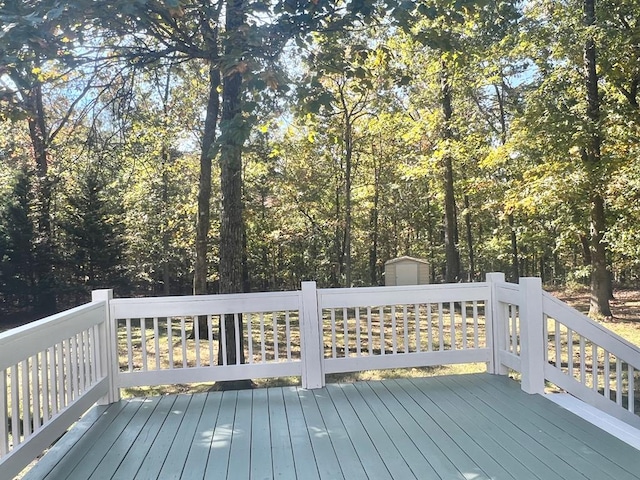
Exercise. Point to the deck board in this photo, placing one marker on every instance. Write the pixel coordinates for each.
(260, 448)
(196, 462)
(300, 437)
(185, 437)
(453, 427)
(599, 453)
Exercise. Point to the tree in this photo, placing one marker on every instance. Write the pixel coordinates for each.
(94, 230)
(600, 279)
(36, 58)
(17, 235)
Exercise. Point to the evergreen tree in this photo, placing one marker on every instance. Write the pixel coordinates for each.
(93, 231)
(17, 237)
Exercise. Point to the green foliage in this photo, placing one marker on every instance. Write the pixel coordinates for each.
(94, 235)
(17, 237)
(342, 133)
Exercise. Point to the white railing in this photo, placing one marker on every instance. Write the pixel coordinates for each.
(546, 340)
(411, 326)
(172, 340)
(51, 372)
(590, 361)
(308, 333)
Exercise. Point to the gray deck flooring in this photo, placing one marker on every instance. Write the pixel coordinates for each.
(455, 427)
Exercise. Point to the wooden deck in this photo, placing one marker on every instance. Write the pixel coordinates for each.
(453, 427)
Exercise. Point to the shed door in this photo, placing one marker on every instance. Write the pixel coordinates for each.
(407, 273)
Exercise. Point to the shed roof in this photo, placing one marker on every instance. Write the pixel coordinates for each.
(405, 258)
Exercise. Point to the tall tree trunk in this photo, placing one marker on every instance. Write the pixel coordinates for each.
(452, 271)
(348, 145)
(336, 270)
(165, 155)
(231, 228)
(204, 184)
(45, 295)
(166, 267)
(201, 268)
(600, 279)
(373, 225)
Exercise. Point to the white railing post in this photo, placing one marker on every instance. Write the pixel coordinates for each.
(532, 342)
(495, 324)
(108, 347)
(311, 338)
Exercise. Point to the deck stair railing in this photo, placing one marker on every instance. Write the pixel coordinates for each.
(549, 342)
(53, 370)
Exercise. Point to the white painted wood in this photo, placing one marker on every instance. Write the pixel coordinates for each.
(508, 293)
(183, 341)
(463, 311)
(510, 361)
(394, 331)
(195, 305)
(32, 338)
(108, 345)
(595, 332)
(405, 360)
(311, 337)
(631, 389)
(403, 295)
(591, 333)
(587, 395)
(287, 319)
(209, 374)
(4, 414)
(533, 344)
(440, 327)
(495, 322)
(597, 417)
(23, 454)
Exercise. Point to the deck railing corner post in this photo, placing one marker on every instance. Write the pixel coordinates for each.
(108, 347)
(532, 335)
(311, 338)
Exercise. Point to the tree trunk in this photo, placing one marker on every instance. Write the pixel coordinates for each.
(232, 139)
(452, 272)
(43, 252)
(600, 278)
(336, 270)
(373, 225)
(600, 288)
(348, 145)
(201, 268)
(204, 184)
(165, 155)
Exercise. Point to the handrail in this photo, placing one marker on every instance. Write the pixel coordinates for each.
(587, 327)
(51, 372)
(528, 318)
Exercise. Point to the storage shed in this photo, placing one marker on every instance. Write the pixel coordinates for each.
(406, 271)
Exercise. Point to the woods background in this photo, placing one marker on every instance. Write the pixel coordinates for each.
(177, 147)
